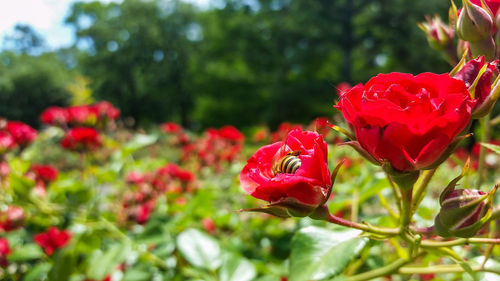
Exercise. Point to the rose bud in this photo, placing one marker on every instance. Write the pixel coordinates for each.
(52, 239)
(438, 34)
(463, 211)
(292, 175)
(474, 22)
(476, 74)
(485, 47)
(410, 122)
(4, 252)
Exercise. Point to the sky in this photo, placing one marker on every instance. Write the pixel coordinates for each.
(46, 16)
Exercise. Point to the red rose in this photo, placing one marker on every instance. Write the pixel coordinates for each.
(23, 134)
(7, 142)
(52, 239)
(46, 173)
(231, 133)
(306, 188)
(171, 127)
(81, 139)
(409, 121)
(83, 115)
(12, 218)
(4, 252)
(55, 116)
(209, 225)
(107, 110)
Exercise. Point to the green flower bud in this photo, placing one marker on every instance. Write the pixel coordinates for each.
(474, 23)
(463, 211)
(439, 35)
(485, 47)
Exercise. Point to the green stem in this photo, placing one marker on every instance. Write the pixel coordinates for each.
(379, 272)
(364, 227)
(421, 189)
(461, 241)
(406, 209)
(452, 268)
(485, 136)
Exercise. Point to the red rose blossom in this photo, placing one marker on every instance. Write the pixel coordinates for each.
(55, 115)
(83, 115)
(23, 134)
(7, 142)
(107, 110)
(307, 187)
(52, 239)
(81, 139)
(12, 219)
(409, 121)
(231, 133)
(46, 173)
(170, 127)
(4, 252)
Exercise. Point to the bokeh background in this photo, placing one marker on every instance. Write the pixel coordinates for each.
(202, 63)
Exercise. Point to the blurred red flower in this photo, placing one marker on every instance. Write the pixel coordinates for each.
(45, 173)
(13, 218)
(4, 252)
(22, 134)
(55, 115)
(170, 127)
(81, 139)
(52, 239)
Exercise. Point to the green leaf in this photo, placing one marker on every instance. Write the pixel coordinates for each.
(319, 253)
(21, 185)
(102, 264)
(64, 264)
(199, 249)
(26, 252)
(134, 274)
(138, 142)
(236, 268)
(38, 272)
(493, 147)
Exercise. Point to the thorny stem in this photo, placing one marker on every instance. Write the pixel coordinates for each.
(361, 226)
(406, 213)
(382, 271)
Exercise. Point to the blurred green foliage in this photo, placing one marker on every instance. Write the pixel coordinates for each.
(239, 62)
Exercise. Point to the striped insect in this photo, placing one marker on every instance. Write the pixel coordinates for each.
(287, 164)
